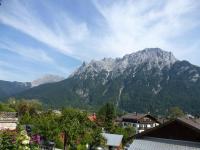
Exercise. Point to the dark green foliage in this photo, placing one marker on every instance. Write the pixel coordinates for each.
(106, 119)
(27, 106)
(73, 123)
(175, 112)
(5, 107)
(7, 140)
(127, 133)
(78, 129)
(106, 116)
(140, 93)
(26, 118)
(93, 136)
(22, 106)
(8, 88)
(46, 124)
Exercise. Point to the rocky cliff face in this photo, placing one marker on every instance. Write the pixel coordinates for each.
(151, 57)
(46, 79)
(148, 80)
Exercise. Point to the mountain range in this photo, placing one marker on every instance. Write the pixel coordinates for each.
(8, 88)
(150, 80)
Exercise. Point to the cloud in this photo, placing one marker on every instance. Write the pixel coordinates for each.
(34, 62)
(32, 54)
(20, 15)
(12, 72)
(134, 25)
(125, 26)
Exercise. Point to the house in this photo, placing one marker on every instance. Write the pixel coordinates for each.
(178, 134)
(141, 122)
(8, 120)
(113, 141)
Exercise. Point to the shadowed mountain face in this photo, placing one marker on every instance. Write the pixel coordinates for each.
(8, 88)
(148, 80)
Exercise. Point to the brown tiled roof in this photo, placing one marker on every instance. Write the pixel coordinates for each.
(8, 114)
(134, 116)
(137, 116)
(191, 123)
(8, 117)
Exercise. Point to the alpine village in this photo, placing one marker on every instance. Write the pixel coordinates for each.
(141, 101)
(85, 91)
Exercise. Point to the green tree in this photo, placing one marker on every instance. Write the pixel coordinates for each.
(28, 106)
(175, 112)
(5, 107)
(7, 140)
(46, 124)
(93, 136)
(127, 132)
(106, 116)
(27, 109)
(26, 119)
(73, 124)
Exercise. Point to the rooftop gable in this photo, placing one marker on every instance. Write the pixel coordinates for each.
(178, 129)
(138, 117)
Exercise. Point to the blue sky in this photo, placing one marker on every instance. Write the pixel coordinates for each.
(55, 37)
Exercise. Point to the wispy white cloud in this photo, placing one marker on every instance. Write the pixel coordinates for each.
(10, 70)
(127, 26)
(18, 14)
(139, 24)
(32, 54)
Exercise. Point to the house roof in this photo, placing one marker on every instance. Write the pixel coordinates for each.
(113, 139)
(188, 122)
(179, 129)
(8, 115)
(191, 122)
(134, 116)
(162, 144)
(137, 116)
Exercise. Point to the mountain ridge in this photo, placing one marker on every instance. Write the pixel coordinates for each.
(9, 88)
(150, 55)
(149, 80)
(49, 78)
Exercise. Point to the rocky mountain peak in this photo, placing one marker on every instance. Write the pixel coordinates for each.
(153, 57)
(49, 78)
(152, 54)
(150, 80)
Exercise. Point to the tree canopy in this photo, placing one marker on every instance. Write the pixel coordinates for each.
(106, 116)
(175, 112)
(77, 128)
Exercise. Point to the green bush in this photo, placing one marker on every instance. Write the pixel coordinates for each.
(7, 140)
